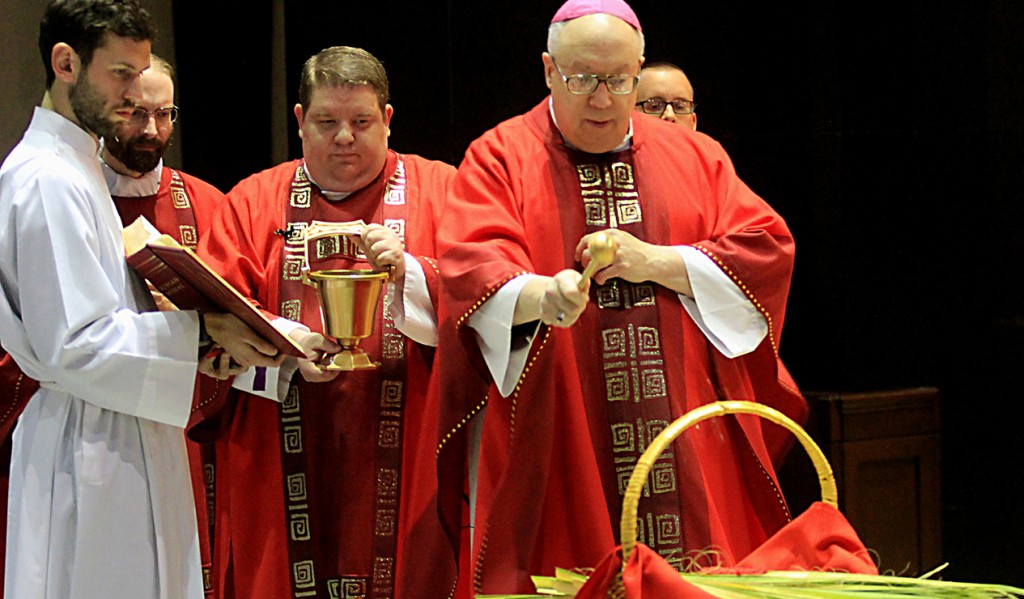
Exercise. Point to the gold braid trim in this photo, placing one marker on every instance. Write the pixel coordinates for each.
(216, 392)
(462, 423)
(487, 296)
(746, 291)
(17, 393)
(522, 379)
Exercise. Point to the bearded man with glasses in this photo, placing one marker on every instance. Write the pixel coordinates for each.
(553, 385)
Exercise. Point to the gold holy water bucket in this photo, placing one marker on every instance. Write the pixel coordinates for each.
(348, 300)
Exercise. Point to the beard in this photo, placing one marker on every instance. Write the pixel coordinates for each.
(139, 153)
(89, 107)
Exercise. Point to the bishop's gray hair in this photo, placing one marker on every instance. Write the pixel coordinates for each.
(555, 37)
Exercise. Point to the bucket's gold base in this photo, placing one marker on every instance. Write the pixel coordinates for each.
(349, 359)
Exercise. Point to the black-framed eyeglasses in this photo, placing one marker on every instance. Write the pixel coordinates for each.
(582, 85)
(657, 106)
(164, 116)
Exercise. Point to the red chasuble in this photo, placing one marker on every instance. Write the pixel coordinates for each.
(315, 494)
(182, 208)
(557, 453)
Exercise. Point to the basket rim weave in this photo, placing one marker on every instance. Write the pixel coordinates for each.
(631, 500)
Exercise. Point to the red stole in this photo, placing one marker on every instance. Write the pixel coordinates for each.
(311, 562)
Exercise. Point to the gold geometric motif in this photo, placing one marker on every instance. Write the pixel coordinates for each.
(328, 246)
(387, 483)
(654, 385)
(622, 474)
(614, 345)
(395, 197)
(397, 225)
(293, 439)
(390, 434)
(189, 237)
(290, 405)
(617, 384)
(209, 474)
(595, 212)
(347, 588)
(622, 175)
(291, 269)
(649, 341)
(393, 346)
(179, 199)
(674, 557)
(298, 525)
(383, 571)
(300, 196)
(391, 395)
(302, 573)
(669, 531)
(628, 212)
(385, 526)
(292, 309)
(608, 295)
(295, 235)
(643, 294)
(296, 487)
(589, 174)
(654, 428)
(663, 478)
(623, 438)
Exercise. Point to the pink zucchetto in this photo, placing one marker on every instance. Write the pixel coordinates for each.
(580, 8)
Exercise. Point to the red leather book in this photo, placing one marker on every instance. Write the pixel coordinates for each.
(178, 273)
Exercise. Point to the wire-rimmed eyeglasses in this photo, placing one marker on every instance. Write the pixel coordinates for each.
(582, 85)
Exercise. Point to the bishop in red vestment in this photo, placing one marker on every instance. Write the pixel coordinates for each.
(574, 379)
(316, 494)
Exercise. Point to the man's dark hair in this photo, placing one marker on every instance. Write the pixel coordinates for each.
(84, 24)
(342, 65)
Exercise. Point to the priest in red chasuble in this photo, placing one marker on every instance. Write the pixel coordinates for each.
(573, 378)
(314, 493)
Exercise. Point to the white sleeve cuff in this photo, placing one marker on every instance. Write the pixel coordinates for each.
(493, 325)
(271, 382)
(411, 309)
(719, 308)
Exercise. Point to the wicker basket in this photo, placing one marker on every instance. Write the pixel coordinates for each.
(627, 528)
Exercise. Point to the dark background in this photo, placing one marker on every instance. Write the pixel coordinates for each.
(888, 135)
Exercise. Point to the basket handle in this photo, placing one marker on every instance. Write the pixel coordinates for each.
(627, 527)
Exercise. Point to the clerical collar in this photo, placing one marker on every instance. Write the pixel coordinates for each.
(124, 186)
(626, 141)
(332, 196)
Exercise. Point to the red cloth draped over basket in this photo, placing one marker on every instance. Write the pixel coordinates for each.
(819, 539)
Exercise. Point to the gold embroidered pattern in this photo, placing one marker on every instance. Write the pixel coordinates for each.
(383, 575)
(301, 196)
(398, 226)
(617, 293)
(614, 204)
(189, 237)
(292, 309)
(389, 434)
(393, 346)
(291, 269)
(327, 246)
(179, 199)
(304, 577)
(346, 588)
(394, 195)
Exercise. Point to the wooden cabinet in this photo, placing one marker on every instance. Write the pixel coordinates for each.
(884, 449)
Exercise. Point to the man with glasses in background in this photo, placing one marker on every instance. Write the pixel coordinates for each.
(664, 91)
(553, 385)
